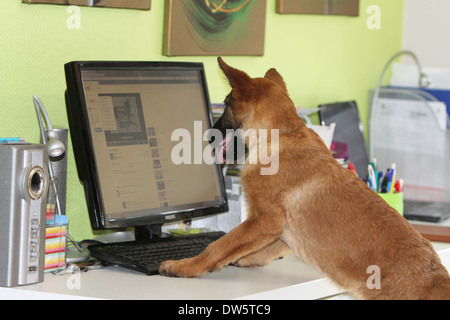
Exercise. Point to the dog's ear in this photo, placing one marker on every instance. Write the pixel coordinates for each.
(274, 76)
(239, 80)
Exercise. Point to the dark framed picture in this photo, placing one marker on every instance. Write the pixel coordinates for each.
(128, 4)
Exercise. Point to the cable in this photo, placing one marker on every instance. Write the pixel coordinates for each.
(55, 148)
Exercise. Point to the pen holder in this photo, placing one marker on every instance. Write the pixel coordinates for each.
(395, 200)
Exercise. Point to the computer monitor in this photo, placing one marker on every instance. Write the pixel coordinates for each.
(121, 117)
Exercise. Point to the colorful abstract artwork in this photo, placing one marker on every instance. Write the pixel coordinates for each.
(326, 7)
(214, 27)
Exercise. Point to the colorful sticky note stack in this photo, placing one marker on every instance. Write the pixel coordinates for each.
(55, 244)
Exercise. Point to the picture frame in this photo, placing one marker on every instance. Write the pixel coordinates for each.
(319, 7)
(214, 27)
(124, 4)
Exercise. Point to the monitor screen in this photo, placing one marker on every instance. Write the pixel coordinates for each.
(122, 117)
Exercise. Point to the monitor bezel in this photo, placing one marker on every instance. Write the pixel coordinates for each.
(84, 152)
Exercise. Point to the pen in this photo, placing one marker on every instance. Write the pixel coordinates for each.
(380, 181)
(385, 181)
(3, 140)
(351, 167)
(391, 181)
(394, 172)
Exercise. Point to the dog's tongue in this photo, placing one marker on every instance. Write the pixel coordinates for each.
(223, 148)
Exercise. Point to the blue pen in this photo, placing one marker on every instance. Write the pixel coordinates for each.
(391, 177)
(380, 180)
(394, 172)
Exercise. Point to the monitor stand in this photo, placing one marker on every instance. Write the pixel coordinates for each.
(148, 232)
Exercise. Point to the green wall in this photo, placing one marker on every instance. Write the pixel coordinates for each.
(322, 58)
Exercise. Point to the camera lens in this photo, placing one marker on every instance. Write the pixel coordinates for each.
(36, 183)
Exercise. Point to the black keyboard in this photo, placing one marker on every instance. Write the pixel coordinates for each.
(147, 256)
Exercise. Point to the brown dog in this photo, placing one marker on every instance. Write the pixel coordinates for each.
(315, 207)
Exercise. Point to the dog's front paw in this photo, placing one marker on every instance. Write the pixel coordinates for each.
(186, 268)
(250, 262)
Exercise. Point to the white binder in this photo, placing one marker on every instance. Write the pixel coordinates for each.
(409, 127)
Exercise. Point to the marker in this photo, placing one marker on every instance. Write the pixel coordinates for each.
(399, 186)
(374, 164)
(372, 179)
(351, 167)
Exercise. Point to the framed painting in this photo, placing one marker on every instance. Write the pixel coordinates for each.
(214, 27)
(325, 7)
(128, 4)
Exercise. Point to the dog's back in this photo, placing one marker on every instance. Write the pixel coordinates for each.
(335, 221)
(348, 231)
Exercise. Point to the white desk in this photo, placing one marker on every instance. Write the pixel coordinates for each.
(284, 279)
